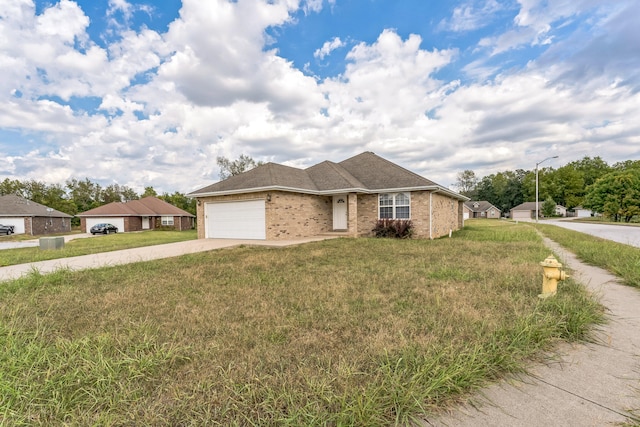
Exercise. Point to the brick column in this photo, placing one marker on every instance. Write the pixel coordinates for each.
(353, 214)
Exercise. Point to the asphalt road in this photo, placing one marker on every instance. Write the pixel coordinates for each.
(629, 235)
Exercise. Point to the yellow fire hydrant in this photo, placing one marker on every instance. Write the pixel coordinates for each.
(551, 275)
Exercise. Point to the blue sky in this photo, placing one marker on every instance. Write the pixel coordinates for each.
(146, 93)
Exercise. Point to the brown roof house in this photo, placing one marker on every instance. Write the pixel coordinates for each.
(274, 201)
(482, 209)
(32, 218)
(136, 215)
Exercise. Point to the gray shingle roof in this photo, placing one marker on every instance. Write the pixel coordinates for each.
(147, 206)
(527, 206)
(377, 173)
(15, 206)
(332, 176)
(361, 173)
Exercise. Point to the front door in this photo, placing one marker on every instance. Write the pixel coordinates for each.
(340, 213)
(145, 222)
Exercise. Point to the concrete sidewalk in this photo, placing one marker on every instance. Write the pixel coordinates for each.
(147, 253)
(585, 384)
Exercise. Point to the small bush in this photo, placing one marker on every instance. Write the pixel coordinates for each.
(395, 228)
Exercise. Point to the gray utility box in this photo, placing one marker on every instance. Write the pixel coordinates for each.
(52, 242)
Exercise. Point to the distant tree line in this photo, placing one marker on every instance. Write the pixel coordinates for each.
(613, 191)
(78, 196)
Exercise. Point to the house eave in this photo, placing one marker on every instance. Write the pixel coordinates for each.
(434, 188)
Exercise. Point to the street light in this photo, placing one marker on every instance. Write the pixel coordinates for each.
(540, 162)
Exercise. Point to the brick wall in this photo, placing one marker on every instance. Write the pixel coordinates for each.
(294, 215)
(447, 215)
(367, 213)
(45, 225)
(132, 223)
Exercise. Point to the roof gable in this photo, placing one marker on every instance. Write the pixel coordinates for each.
(12, 205)
(332, 176)
(377, 173)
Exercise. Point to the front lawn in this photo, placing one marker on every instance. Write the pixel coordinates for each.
(339, 332)
(92, 245)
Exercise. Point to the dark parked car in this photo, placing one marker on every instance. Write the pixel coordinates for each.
(6, 229)
(103, 229)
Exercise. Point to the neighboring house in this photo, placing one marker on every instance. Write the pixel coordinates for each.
(527, 210)
(482, 209)
(274, 201)
(466, 211)
(32, 218)
(581, 212)
(135, 215)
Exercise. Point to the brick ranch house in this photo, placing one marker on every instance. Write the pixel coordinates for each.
(28, 217)
(275, 202)
(147, 213)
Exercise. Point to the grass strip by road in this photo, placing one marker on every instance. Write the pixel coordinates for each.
(92, 245)
(620, 259)
(339, 332)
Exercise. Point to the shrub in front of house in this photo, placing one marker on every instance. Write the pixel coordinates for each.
(394, 228)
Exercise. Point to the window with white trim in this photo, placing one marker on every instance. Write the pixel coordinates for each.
(394, 206)
(167, 220)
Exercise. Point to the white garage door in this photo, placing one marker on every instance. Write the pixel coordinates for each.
(18, 224)
(235, 220)
(521, 215)
(118, 222)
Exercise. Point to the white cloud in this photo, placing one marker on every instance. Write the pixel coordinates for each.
(328, 47)
(209, 86)
(471, 16)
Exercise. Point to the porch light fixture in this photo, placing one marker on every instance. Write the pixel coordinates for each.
(199, 202)
(268, 197)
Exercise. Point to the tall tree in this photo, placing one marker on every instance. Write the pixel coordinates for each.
(591, 169)
(466, 181)
(616, 195)
(9, 186)
(230, 168)
(128, 193)
(149, 192)
(84, 194)
(568, 186)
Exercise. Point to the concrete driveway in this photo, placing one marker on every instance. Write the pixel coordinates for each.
(629, 235)
(147, 253)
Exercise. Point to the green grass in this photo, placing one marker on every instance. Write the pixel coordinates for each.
(92, 245)
(339, 332)
(620, 259)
